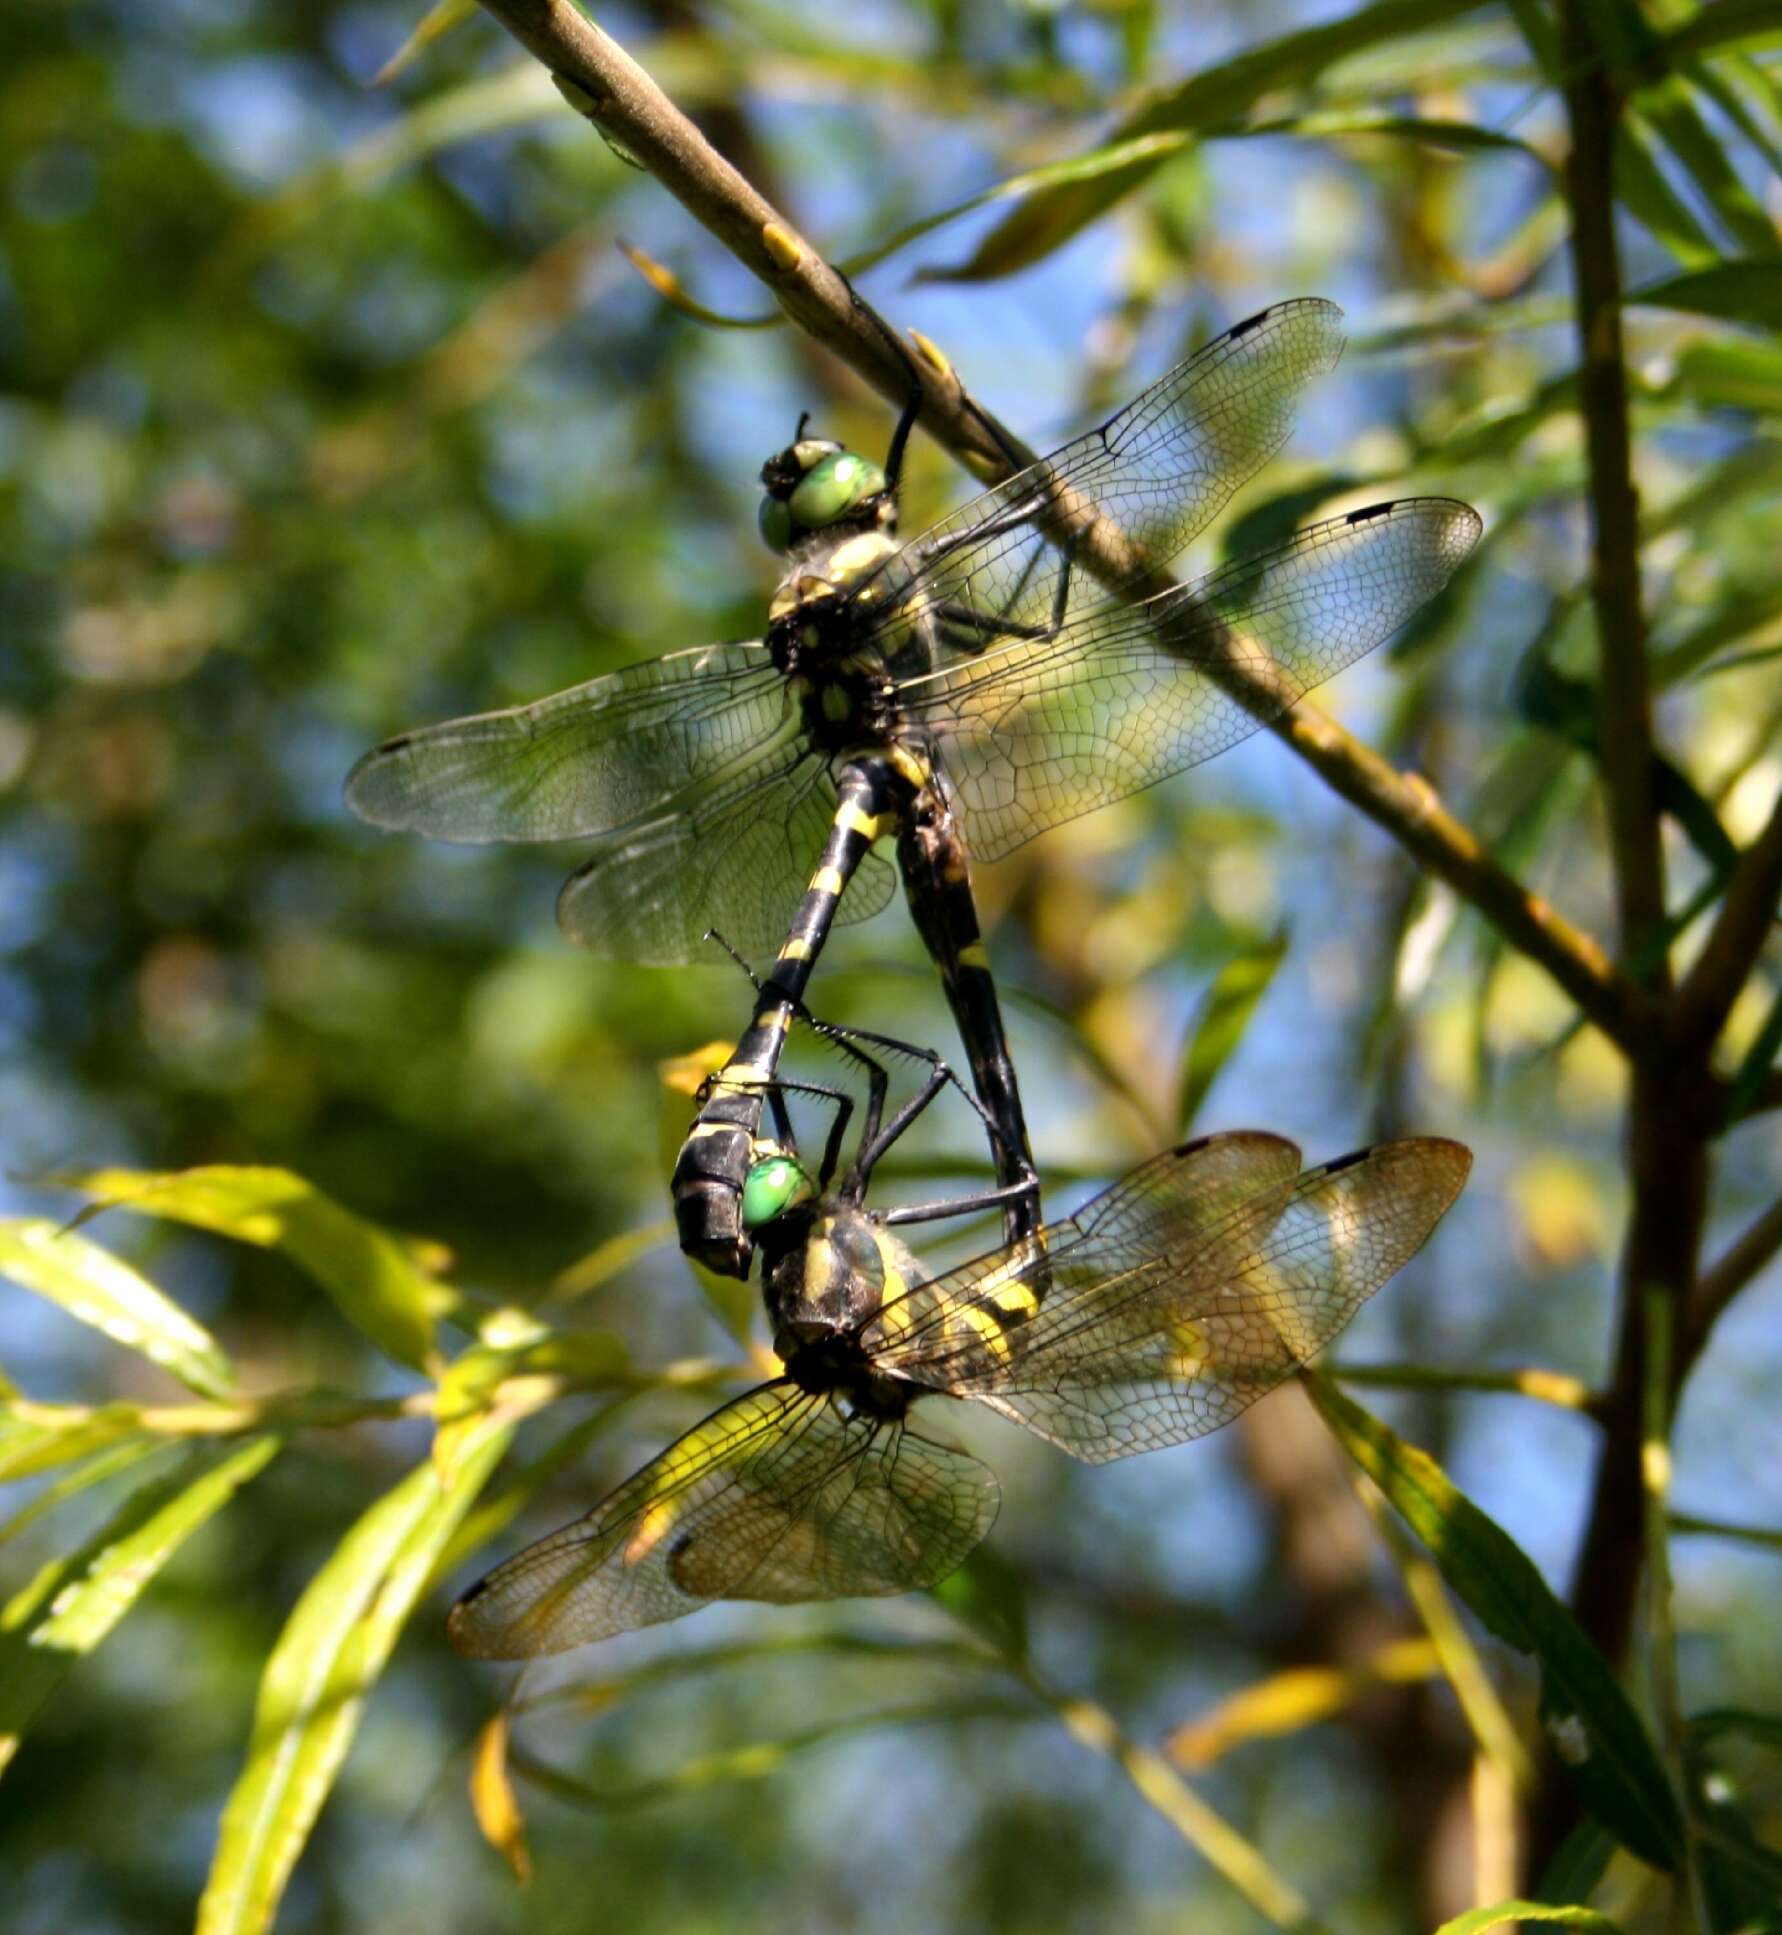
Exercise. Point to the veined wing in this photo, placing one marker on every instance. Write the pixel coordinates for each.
(775, 1497)
(1161, 470)
(736, 861)
(631, 745)
(1235, 1293)
(1035, 732)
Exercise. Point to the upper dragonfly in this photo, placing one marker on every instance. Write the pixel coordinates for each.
(1155, 1314)
(983, 665)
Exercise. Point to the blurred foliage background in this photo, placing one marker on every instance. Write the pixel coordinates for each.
(332, 407)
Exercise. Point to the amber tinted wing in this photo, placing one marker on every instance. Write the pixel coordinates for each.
(1161, 469)
(775, 1497)
(1034, 732)
(1238, 1286)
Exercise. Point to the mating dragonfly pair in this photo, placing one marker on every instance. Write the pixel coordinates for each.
(1022, 662)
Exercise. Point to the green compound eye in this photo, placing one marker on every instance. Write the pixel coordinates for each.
(832, 488)
(772, 1188)
(776, 523)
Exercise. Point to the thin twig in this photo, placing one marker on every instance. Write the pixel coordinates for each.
(1722, 1281)
(1745, 922)
(610, 89)
(1220, 1844)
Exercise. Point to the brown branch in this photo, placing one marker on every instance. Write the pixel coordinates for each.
(611, 90)
(1722, 1281)
(1624, 700)
(1747, 916)
(1672, 1104)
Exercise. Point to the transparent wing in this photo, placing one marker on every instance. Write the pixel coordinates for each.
(775, 1497)
(1035, 732)
(1239, 1283)
(1162, 469)
(735, 861)
(635, 744)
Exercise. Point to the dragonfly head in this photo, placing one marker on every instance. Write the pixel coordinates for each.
(815, 485)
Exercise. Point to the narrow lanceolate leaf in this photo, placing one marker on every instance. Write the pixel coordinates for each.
(73, 1603)
(378, 1280)
(1219, 1024)
(1215, 98)
(102, 1290)
(327, 1659)
(1748, 291)
(1594, 1729)
(1570, 1913)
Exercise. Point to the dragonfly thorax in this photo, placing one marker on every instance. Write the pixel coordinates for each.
(827, 1274)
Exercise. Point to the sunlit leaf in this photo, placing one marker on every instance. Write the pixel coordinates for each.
(1725, 23)
(370, 1272)
(1570, 1914)
(1221, 1018)
(326, 1661)
(74, 1603)
(102, 1290)
(1596, 1734)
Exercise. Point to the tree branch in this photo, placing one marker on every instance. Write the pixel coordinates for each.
(610, 89)
(1747, 916)
(1624, 700)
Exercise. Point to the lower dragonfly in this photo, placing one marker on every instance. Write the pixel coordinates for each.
(1017, 664)
(1154, 1315)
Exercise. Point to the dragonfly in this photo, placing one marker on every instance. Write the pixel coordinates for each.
(1152, 1316)
(987, 680)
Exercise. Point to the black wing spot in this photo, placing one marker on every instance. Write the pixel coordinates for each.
(1336, 1167)
(1369, 512)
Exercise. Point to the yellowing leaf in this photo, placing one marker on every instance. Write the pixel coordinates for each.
(492, 1799)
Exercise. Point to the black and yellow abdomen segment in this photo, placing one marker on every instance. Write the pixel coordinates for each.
(713, 1164)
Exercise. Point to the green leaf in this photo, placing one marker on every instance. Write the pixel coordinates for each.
(1598, 1736)
(987, 1595)
(333, 1647)
(377, 1279)
(435, 24)
(1746, 290)
(1220, 1020)
(1731, 375)
(104, 1464)
(102, 1290)
(1643, 189)
(1212, 100)
(1722, 23)
(1670, 109)
(73, 1603)
(1581, 1861)
(1571, 1914)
